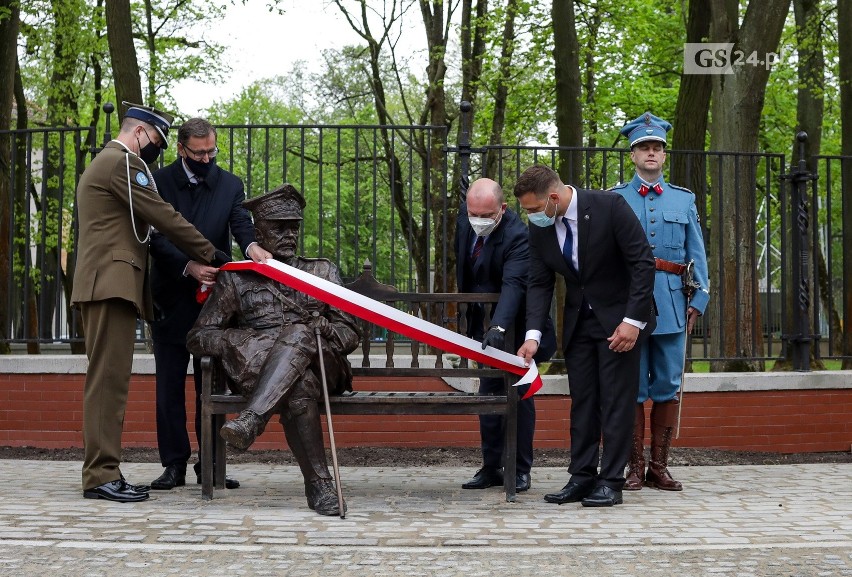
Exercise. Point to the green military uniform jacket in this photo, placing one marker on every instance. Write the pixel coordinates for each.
(111, 260)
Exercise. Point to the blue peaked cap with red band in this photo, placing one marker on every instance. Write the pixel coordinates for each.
(646, 127)
(162, 121)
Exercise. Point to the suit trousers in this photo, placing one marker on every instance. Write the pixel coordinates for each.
(603, 385)
(172, 360)
(492, 429)
(110, 330)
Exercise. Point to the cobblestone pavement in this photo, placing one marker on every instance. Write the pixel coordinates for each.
(739, 521)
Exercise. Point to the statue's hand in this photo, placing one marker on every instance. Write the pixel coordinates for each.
(325, 328)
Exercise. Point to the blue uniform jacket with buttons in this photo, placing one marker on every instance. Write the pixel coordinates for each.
(670, 221)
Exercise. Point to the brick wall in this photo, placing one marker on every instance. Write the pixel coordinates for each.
(45, 410)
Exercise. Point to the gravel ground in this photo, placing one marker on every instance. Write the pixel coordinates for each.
(448, 457)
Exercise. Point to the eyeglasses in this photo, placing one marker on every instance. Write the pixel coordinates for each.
(199, 154)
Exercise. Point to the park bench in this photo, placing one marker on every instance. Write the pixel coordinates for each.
(446, 309)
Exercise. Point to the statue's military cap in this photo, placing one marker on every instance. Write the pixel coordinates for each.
(160, 120)
(283, 203)
(646, 127)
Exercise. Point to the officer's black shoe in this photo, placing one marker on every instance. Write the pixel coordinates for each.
(137, 488)
(484, 478)
(522, 482)
(117, 491)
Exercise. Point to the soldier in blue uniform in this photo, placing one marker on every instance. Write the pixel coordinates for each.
(670, 219)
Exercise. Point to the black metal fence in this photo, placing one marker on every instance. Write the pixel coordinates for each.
(388, 194)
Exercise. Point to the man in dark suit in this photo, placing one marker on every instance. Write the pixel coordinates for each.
(211, 199)
(492, 255)
(594, 240)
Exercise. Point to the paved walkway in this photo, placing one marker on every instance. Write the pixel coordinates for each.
(741, 521)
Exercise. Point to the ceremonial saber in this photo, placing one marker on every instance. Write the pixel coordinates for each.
(689, 288)
(335, 466)
(393, 319)
(682, 372)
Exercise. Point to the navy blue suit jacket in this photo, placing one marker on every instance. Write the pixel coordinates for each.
(616, 274)
(215, 208)
(502, 267)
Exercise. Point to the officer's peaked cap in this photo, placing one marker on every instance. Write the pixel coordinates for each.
(646, 127)
(160, 120)
(283, 203)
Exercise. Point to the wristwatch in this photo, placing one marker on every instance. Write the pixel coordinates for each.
(499, 328)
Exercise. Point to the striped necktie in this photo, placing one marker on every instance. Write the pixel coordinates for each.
(477, 248)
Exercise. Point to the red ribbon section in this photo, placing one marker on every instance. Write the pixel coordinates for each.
(392, 319)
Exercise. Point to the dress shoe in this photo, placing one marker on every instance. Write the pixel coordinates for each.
(484, 478)
(117, 490)
(522, 482)
(241, 431)
(137, 488)
(229, 482)
(173, 476)
(603, 496)
(322, 497)
(570, 493)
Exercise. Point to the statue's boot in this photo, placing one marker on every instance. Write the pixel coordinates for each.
(304, 435)
(241, 432)
(663, 421)
(636, 467)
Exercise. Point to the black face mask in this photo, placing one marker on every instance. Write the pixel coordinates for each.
(198, 168)
(150, 152)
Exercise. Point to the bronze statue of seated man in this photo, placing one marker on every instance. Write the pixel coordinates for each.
(263, 334)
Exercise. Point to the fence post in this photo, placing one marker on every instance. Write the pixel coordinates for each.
(800, 340)
(109, 108)
(464, 148)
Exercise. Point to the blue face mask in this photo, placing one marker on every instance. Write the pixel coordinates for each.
(541, 218)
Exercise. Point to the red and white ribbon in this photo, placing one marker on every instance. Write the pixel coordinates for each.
(393, 319)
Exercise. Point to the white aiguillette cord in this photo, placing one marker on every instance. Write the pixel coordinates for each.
(127, 154)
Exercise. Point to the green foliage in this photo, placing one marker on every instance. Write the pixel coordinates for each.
(171, 45)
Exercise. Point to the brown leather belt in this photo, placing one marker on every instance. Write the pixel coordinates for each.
(669, 266)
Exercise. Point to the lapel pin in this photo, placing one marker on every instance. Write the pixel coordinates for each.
(586, 217)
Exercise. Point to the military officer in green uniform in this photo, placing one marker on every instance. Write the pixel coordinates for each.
(118, 204)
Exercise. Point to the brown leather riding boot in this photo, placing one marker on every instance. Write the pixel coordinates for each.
(663, 421)
(636, 467)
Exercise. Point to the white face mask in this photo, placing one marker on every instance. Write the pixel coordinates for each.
(483, 226)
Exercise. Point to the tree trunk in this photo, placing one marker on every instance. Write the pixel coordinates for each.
(61, 111)
(501, 92)
(125, 67)
(737, 335)
(809, 116)
(569, 108)
(844, 43)
(435, 199)
(691, 115)
(26, 315)
(590, 83)
(9, 24)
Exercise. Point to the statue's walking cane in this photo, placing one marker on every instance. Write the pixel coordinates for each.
(689, 288)
(335, 466)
